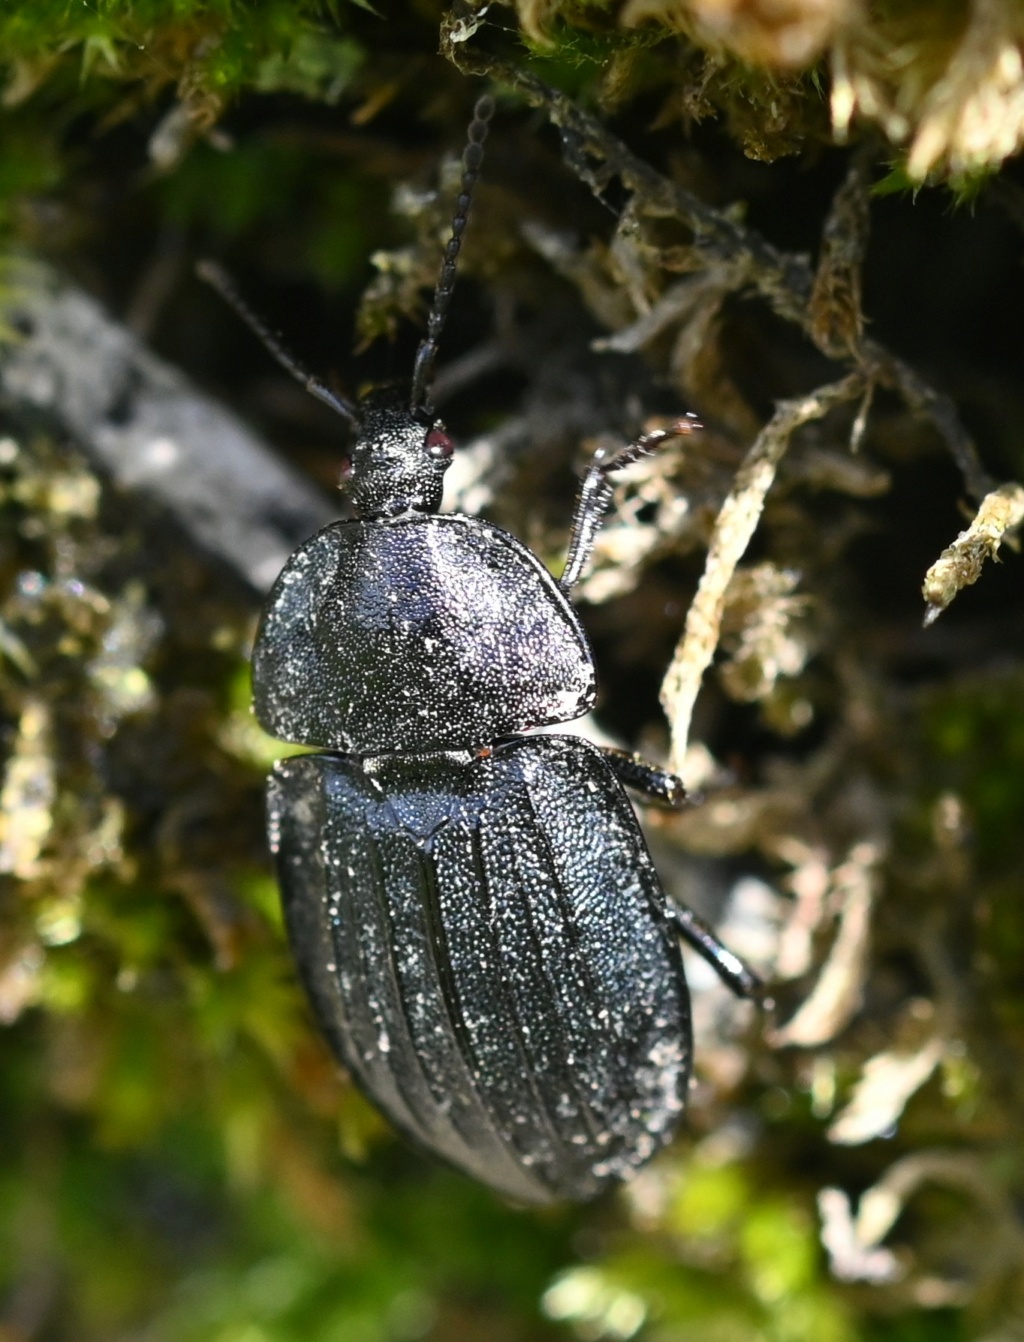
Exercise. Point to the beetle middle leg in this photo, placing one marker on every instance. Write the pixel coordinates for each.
(596, 492)
(654, 786)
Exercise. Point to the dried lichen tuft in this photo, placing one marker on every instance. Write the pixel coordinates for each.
(781, 34)
(945, 85)
(765, 632)
(949, 86)
(733, 530)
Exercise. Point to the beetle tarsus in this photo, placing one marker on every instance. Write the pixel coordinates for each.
(596, 492)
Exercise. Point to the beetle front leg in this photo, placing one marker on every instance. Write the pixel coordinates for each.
(596, 492)
(655, 786)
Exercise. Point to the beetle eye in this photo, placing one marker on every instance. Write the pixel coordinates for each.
(344, 472)
(439, 445)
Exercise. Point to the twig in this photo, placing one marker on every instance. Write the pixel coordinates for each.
(922, 397)
(153, 432)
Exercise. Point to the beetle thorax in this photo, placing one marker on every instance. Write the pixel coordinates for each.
(398, 461)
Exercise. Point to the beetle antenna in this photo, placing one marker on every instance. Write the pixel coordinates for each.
(472, 158)
(220, 280)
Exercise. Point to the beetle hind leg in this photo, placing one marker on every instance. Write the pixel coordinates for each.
(658, 787)
(734, 972)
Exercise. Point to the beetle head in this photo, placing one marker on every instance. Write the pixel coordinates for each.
(401, 450)
(398, 460)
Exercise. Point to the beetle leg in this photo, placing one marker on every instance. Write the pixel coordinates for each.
(656, 787)
(729, 967)
(596, 492)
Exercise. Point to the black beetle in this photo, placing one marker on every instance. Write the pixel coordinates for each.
(473, 910)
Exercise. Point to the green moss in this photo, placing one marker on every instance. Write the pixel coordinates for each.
(230, 193)
(976, 730)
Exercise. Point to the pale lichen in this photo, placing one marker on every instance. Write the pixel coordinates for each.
(961, 563)
(765, 631)
(734, 527)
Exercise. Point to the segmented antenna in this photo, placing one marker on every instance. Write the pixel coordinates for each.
(472, 158)
(220, 280)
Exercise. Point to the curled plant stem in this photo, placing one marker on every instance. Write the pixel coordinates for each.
(735, 525)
